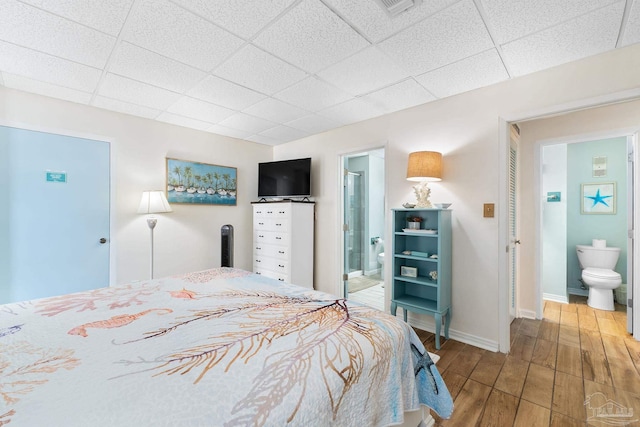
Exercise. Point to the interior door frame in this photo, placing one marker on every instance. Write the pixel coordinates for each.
(112, 180)
(340, 160)
(504, 122)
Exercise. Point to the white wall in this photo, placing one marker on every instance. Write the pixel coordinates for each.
(465, 129)
(187, 239)
(554, 223)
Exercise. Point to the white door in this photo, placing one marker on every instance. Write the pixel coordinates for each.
(55, 214)
(630, 228)
(513, 225)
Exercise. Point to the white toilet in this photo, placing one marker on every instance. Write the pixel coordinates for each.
(381, 262)
(597, 265)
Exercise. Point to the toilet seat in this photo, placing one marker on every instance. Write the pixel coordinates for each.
(600, 274)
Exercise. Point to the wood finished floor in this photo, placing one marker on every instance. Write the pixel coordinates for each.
(555, 364)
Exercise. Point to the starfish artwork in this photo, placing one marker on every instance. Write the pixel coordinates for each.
(597, 198)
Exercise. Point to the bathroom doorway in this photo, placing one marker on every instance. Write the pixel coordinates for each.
(363, 225)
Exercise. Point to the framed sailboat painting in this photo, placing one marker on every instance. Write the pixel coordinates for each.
(201, 183)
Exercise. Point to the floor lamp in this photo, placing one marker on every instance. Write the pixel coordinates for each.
(153, 202)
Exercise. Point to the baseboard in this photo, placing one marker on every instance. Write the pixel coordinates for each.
(527, 314)
(557, 298)
(422, 322)
(578, 291)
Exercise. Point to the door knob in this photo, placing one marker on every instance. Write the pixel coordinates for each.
(103, 240)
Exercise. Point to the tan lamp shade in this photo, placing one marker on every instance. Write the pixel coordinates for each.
(424, 166)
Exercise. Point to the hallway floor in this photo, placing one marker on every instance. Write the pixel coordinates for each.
(561, 369)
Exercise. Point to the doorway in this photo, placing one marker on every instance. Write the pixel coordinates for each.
(363, 219)
(568, 169)
(55, 219)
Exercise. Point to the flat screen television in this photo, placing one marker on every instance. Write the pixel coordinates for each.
(285, 178)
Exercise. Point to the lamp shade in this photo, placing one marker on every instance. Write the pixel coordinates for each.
(153, 202)
(424, 166)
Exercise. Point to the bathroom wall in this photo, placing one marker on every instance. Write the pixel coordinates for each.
(554, 223)
(581, 228)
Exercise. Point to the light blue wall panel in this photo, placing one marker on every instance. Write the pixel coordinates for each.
(581, 228)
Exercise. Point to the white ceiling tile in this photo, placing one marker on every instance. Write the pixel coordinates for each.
(50, 69)
(106, 16)
(170, 30)
(262, 139)
(312, 94)
(470, 73)
(259, 70)
(311, 37)
(355, 110)
(376, 24)
(587, 35)
(186, 122)
(284, 133)
(234, 133)
(47, 89)
(313, 123)
(275, 110)
(149, 67)
(631, 33)
(363, 72)
(125, 107)
(448, 36)
(399, 96)
(135, 92)
(33, 28)
(222, 92)
(512, 19)
(247, 123)
(244, 18)
(200, 110)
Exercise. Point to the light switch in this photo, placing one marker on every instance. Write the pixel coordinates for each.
(489, 209)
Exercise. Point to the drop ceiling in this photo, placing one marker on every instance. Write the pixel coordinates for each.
(273, 71)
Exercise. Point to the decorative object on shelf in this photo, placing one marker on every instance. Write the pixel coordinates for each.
(599, 198)
(434, 256)
(433, 275)
(419, 231)
(408, 271)
(424, 167)
(413, 222)
(442, 205)
(408, 205)
(201, 183)
(153, 202)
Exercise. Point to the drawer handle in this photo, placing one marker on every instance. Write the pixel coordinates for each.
(281, 252)
(261, 223)
(280, 265)
(269, 212)
(258, 260)
(258, 248)
(282, 280)
(260, 235)
(278, 238)
(257, 272)
(279, 225)
(281, 212)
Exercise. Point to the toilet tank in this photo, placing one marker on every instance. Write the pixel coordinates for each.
(588, 256)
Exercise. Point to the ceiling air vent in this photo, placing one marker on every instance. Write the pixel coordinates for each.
(396, 7)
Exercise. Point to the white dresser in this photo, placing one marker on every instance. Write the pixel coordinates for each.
(283, 241)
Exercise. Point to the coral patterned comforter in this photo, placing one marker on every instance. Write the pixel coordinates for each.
(221, 347)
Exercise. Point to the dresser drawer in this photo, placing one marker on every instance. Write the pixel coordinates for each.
(270, 237)
(281, 211)
(271, 264)
(272, 224)
(271, 274)
(273, 251)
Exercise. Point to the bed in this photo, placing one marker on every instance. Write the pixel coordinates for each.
(221, 347)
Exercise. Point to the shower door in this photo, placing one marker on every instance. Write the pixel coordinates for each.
(354, 221)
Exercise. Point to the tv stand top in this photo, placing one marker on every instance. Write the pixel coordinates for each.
(284, 200)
